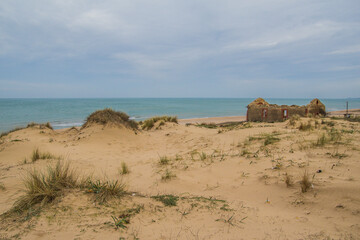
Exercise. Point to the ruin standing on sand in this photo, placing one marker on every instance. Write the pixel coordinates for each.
(261, 111)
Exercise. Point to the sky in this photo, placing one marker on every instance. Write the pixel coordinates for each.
(179, 48)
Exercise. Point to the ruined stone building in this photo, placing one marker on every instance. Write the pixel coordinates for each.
(261, 111)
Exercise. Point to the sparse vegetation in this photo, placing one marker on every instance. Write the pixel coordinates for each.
(150, 123)
(124, 169)
(207, 125)
(306, 127)
(43, 188)
(288, 180)
(167, 175)
(2, 186)
(3, 134)
(109, 116)
(167, 200)
(37, 155)
(40, 125)
(293, 119)
(105, 190)
(305, 182)
(164, 160)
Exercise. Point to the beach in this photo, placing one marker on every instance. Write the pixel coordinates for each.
(188, 180)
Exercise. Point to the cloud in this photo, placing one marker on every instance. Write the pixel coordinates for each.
(347, 50)
(184, 42)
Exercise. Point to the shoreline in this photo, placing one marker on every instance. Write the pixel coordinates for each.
(227, 119)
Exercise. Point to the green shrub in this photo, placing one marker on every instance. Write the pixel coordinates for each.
(109, 116)
(149, 123)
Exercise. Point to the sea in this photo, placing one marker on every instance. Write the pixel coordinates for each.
(64, 113)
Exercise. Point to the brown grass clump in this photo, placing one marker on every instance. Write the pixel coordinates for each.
(288, 180)
(305, 127)
(40, 125)
(293, 119)
(149, 123)
(43, 188)
(37, 155)
(109, 116)
(105, 190)
(305, 182)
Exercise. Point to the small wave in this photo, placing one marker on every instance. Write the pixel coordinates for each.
(61, 125)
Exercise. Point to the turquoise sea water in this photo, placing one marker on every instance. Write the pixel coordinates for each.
(63, 113)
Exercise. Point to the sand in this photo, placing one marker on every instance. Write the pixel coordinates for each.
(229, 183)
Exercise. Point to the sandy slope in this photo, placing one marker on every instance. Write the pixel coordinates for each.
(232, 185)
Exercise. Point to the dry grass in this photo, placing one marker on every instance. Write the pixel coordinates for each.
(36, 155)
(109, 116)
(124, 169)
(305, 182)
(168, 175)
(3, 134)
(149, 123)
(306, 127)
(105, 190)
(43, 188)
(164, 160)
(288, 180)
(40, 125)
(293, 120)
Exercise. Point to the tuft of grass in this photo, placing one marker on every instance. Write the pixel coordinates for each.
(207, 125)
(164, 160)
(305, 182)
(149, 123)
(168, 175)
(305, 127)
(2, 186)
(288, 180)
(43, 188)
(270, 139)
(167, 200)
(36, 155)
(109, 116)
(40, 125)
(322, 140)
(293, 119)
(124, 169)
(203, 156)
(105, 190)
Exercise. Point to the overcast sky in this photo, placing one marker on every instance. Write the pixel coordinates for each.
(180, 48)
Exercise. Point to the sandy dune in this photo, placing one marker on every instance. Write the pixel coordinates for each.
(230, 181)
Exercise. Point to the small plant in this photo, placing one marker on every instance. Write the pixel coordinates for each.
(203, 156)
(293, 119)
(164, 160)
(43, 188)
(104, 190)
(167, 200)
(37, 155)
(124, 169)
(288, 180)
(305, 127)
(321, 141)
(150, 123)
(109, 116)
(167, 175)
(120, 222)
(270, 139)
(305, 182)
(207, 125)
(2, 186)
